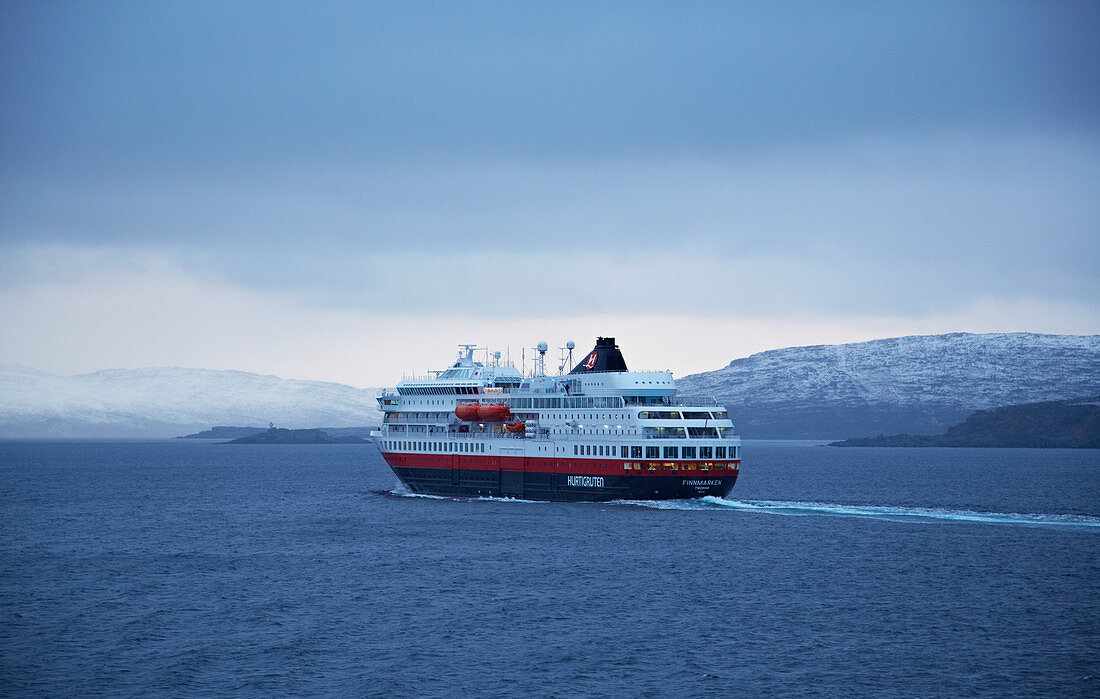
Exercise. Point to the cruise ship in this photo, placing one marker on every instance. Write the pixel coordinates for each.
(599, 432)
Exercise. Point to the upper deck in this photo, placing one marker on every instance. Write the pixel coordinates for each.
(601, 380)
(599, 410)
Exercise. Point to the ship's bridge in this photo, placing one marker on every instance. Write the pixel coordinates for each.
(623, 383)
(464, 377)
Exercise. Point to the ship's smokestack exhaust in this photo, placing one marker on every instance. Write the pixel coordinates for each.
(605, 356)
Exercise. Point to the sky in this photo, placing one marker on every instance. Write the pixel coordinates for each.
(345, 191)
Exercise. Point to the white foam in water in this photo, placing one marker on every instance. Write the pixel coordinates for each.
(489, 498)
(481, 498)
(410, 494)
(783, 507)
(795, 508)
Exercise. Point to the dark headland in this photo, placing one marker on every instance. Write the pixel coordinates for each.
(224, 432)
(1073, 424)
(281, 435)
(233, 432)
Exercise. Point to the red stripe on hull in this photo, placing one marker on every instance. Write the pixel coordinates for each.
(577, 466)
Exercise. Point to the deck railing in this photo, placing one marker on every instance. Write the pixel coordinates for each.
(553, 436)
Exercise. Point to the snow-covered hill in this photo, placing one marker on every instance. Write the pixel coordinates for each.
(166, 402)
(918, 384)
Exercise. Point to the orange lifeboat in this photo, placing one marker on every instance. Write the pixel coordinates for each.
(467, 412)
(494, 413)
(516, 427)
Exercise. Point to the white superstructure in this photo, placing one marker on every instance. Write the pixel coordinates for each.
(632, 417)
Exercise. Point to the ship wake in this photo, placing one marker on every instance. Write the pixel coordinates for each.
(799, 508)
(889, 512)
(400, 493)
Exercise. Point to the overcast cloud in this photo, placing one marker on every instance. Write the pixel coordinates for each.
(344, 190)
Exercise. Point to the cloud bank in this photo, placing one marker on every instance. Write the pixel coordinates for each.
(179, 188)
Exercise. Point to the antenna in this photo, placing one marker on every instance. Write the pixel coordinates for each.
(467, 351)
(540, 364)
(566, 362)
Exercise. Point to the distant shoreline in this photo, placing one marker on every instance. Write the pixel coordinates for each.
(234, 432)
(1067, 424)
(278, 435)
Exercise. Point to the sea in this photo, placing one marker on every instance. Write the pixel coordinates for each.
(188, 568)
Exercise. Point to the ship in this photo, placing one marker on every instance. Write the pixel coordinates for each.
(597, 433)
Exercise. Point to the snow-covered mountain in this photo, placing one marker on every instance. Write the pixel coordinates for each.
(918, 384)
(166, 402)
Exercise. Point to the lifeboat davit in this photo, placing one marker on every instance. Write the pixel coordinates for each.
(494, 413)
(467, 412)
(516, 427)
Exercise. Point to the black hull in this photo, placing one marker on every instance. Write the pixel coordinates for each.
(561, 487)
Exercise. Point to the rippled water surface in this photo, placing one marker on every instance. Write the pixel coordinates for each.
(195, 568)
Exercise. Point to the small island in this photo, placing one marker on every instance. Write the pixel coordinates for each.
(223, 432)
(281, 435)
(1065, 424)
(232, 432)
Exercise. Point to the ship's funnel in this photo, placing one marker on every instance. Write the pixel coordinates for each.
(604, 357)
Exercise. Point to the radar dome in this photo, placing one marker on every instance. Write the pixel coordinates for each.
(541, 347)
(569, 345)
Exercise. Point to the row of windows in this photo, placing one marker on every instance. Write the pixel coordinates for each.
(442, 447)
(635, 452)
(675, 466)
(574, 403)
(407, 428)
(595, 450)
(594, 416)
(649, 432)
(665, 432)
(702, 431)
(681, 432)
(393, 417)
(646, 400)
(437, 390)
(425, 401)
(687, 415)
(439, 416)
(456, 374)
(704, 452)
(632, 452)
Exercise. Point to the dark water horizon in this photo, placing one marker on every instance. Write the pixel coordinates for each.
(181, 567)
